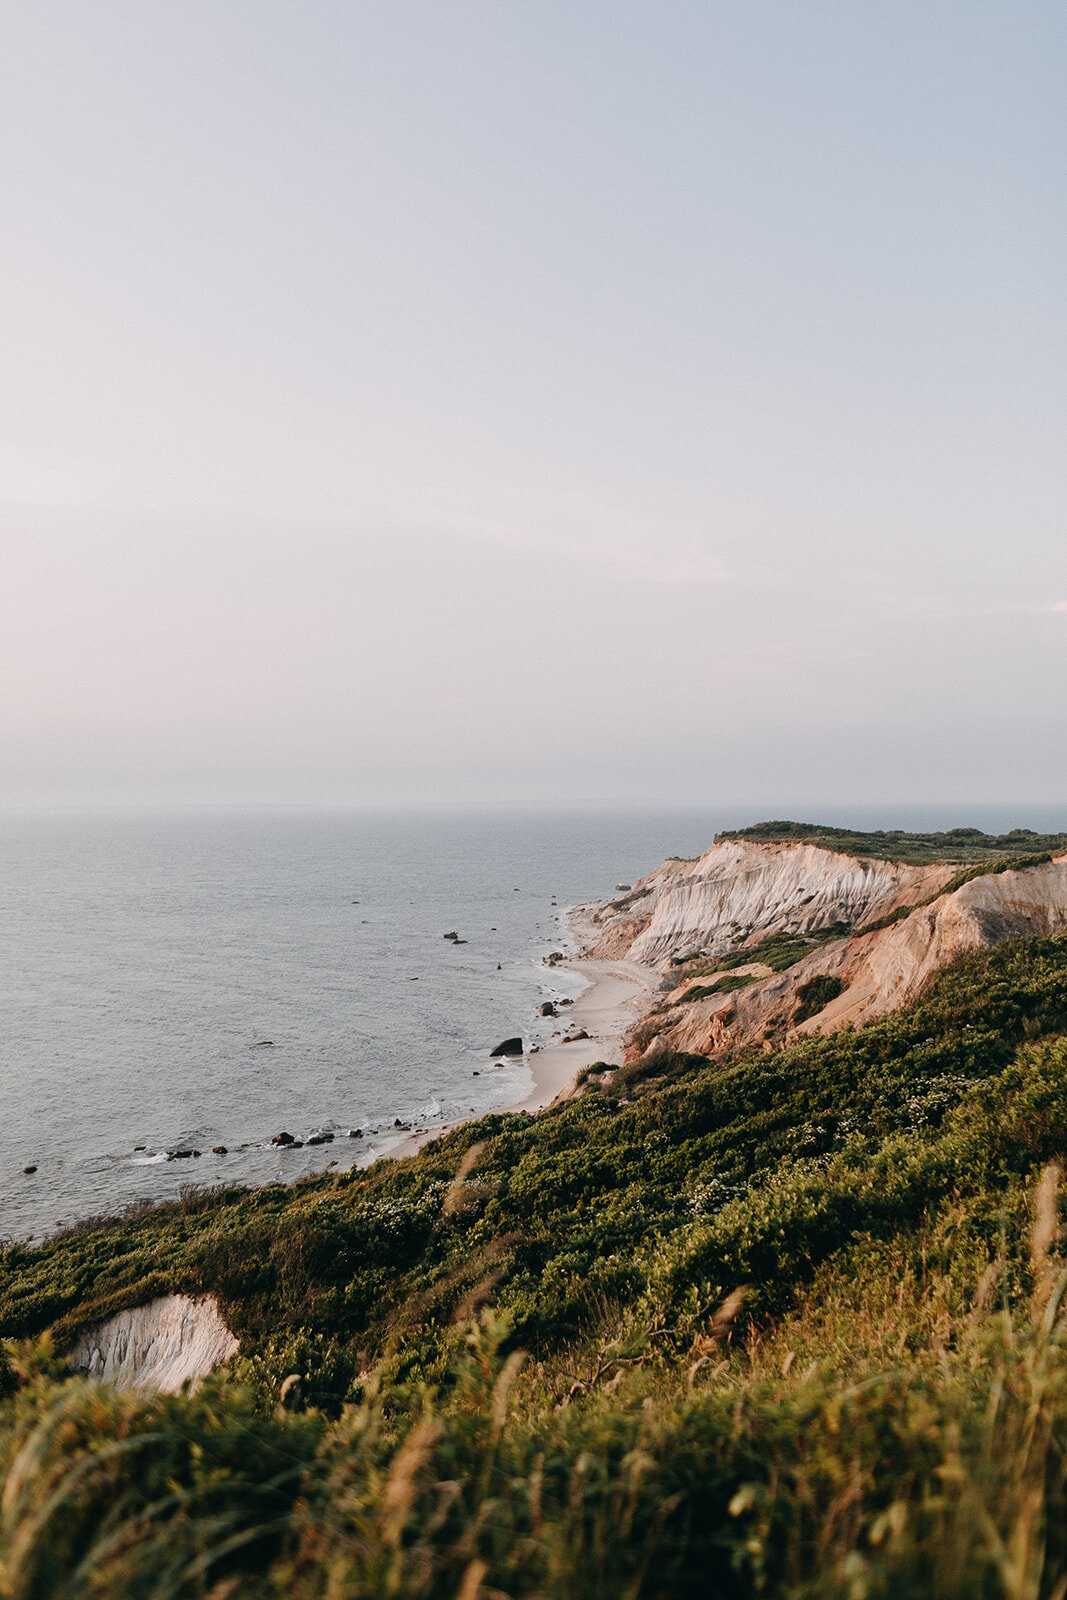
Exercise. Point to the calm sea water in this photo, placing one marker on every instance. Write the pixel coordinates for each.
(144, 959)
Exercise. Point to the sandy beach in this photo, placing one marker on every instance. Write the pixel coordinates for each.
(616, 997)
(617, 994)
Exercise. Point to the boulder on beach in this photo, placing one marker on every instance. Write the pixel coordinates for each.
(572, 1038)
(508, 1047)
(548, 1008)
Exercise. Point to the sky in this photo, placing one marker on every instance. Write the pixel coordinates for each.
(551, 403)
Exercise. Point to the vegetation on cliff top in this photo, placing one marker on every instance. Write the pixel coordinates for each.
(527, 1367)
(963, 845)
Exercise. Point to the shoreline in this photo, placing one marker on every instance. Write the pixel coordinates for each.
(615, 998)
(606, 1010)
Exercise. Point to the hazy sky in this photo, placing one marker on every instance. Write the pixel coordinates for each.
(444, 401)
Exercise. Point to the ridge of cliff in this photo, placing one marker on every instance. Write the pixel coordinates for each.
(761, 938)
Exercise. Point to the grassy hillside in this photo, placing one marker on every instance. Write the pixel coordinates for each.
(964, 845)
(784, 1325)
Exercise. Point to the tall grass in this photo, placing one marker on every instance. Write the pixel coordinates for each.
(790, 1325)
(909, 1441)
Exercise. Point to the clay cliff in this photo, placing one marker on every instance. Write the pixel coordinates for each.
(733, 919)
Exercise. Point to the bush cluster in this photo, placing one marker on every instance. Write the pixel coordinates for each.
(527, 1365)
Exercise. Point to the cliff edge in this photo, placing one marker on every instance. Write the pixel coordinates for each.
(761, 938)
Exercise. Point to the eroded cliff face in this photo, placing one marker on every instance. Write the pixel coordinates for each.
(158, 1346)
(739, 892)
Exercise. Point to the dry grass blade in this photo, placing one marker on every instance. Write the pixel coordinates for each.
(454, 1198)
(401, 1485)
(1044, 1233)
(471, 1582)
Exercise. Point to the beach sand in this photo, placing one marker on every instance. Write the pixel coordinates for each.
(618, 993)
(617, 996)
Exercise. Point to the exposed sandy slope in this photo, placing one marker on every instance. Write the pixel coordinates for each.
(738, 892)
(157, 1346)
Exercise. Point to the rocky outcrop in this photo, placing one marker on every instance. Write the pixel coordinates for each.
(739, 892)
(158, 1346)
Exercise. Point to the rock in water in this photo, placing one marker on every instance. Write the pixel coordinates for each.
(282, 1138)
(508, 1047)
(548, 1009)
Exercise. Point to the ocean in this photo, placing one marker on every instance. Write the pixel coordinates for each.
(180, 982)
(183, 981)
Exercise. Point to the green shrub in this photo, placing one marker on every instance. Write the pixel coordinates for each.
(815, 994)
(727, 985)
(957, 844)
(886, 1413)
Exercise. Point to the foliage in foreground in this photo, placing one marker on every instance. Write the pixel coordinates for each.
(528, 1369)
(762, 1467)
